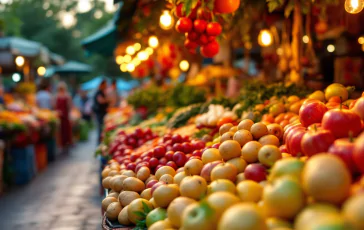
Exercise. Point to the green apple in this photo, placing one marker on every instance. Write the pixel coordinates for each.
(283, 198)
(287, 166)
(156, 215)
(199, 216)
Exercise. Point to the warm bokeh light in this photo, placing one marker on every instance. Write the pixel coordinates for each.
(136, 61)
(41, 70)
(279, 51)
(149, 51)
(68, 19)
(16, 77)
(19, 61)
(153, 41)
(184, 65)
(127, 58)
(265, 38)
(123, 67)
(166, 20)
(130, 67)
(119, 59)
(306, 39)
(354, 6)
(137, 46)
(98, 14)
(84, 6)
(330, 48)
(143, 55)
(130, 50)
(361, 40)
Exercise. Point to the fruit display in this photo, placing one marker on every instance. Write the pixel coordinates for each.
(302, 158)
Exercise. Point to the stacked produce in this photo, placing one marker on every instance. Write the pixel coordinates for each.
(295, 168)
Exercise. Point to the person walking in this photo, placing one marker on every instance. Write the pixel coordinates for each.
(63, 104)
(112, 94)
(44, 96)
(100, 105)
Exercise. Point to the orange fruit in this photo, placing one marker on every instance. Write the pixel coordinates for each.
(279, 118)
(179, 177)
(331, 183)
(230, 149)
(168, 179)
(258, 130)
(269, 140)
(221, 185)
(353, 211)
(211, 155)
(276, 130)
(243, 136)
(245, 124)
(249, 191)
(194, 187)
(224, 171)
(165, 194)
(146, 194)
(227, 136)
(176, 208)
(220, 201)
(165, 170)
(225, 128)
(239, 163)
(137, 206)
(250, 151)
(193, 167)
(269, 154)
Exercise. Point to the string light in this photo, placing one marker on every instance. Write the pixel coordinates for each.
(119, 59)
(306, 39)
(265, 38)
(354, 6)
(123, 67)
(184, 65)
(136, 61)
(137, 46)
(16, 77)
(130, 50)
(130, 67)
(361, 40)
(19, 61)
(166, 20)
(143, 55)
(127, 58)
(41, 70)
(279, 51)
(330, 48)
(149, 51)
(153, 41)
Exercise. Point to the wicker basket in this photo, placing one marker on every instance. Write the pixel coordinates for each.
(106, 225)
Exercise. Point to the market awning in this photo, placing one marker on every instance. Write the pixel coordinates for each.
(20, 46)
(71, 67)
(104, 41)
(122, 85)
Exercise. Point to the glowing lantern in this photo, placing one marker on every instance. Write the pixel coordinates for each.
(166, 20)
(265, 38)
(354, 6)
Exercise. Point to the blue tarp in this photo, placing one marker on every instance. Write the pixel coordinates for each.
(122, 85)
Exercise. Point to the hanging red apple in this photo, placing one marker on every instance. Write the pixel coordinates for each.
(184, 25)
(213, 29)
(203, 40)
(204, 14)
(210, 50)
(193, 36)
(190, 44)
(226, 6)
(199, 26)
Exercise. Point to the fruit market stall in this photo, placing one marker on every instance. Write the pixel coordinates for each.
(280, 155)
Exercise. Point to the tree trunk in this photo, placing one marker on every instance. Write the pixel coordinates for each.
(296, 43)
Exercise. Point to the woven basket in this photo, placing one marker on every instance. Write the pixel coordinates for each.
(106, 225)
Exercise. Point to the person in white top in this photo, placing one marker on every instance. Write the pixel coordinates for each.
(44, 97)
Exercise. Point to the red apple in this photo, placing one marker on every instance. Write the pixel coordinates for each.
(198, 145)
(146, 159)
(172, 164)
(293, 141)
(159, 151)
(316, 141)
(358, 107)
(289, 128)
(176, 138)
(166, 137)
(344, 149)
(207, 168)
(342, 123)
(153, 162)
(177, 147)
(283, 149)
(156, 185)
(312, 112)
(169, 155)
(358, 153)
(187, 147)
(256, 172)
(179, 158)
(163, 161)
(197, 153)
(131, 166)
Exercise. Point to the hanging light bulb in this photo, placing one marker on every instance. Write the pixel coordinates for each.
(149, 51)
(130, 50)
(354, 6)
(306, 39)
(143, 55)
(265, 38)
(184, 65)
(130, 67)
(41, 70)
(153, 41)
(166, 20)
(19, 61)
(137, 46)
(119, 59)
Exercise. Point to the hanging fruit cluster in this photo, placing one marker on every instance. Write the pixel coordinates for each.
(197, 24)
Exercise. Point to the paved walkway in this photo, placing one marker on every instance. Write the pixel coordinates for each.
(63, 197)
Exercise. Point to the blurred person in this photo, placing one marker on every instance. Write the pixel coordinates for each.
(100, 105)
(82, 101)
(63, 104)
(44, 96)
(113, 96)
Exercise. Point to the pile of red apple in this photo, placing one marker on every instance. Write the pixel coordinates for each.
(325, 128)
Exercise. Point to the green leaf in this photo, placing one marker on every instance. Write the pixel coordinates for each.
(140, 214)
(146, 208)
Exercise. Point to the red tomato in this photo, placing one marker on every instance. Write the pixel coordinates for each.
(213, 29)
(203, 40)
(199, 26)
(226, 6)
(224, 120)
(210, 49)
(184, 25)
(211, 38)
(193, 36)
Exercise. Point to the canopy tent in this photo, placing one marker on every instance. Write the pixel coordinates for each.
(122, 85)
(70, 67)
(104, 41)
(20, 46)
